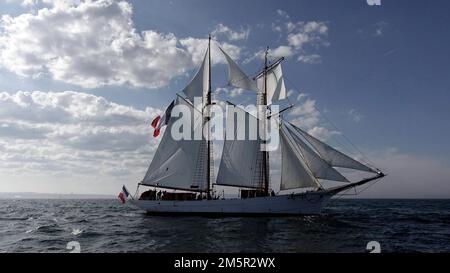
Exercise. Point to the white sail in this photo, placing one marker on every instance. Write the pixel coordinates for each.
(239, 165)
(294, 172)
(176, 162)
(199, 84)
(331, 155)
(236, 77)
(319, 167)
(276, 90)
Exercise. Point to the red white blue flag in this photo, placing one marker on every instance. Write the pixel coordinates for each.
(123, 195)
(163, 120)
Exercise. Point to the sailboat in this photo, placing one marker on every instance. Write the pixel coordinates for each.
(180, 175)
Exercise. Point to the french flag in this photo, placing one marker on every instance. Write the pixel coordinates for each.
(163, 120)
(123, 195)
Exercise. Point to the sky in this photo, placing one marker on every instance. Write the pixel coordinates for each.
(80, 81)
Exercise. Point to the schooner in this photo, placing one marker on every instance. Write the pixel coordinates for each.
(180, 175)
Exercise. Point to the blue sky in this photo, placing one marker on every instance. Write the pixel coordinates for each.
(379, 73)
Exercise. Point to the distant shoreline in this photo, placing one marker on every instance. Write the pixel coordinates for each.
(35, 195)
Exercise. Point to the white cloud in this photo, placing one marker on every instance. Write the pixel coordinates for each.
(94, 43)
(322, 133)
(230, 91)
(231, 34)
(301, 96)
(282, 51)
(197, 48)
(310, 59)
(302, 37)
(283, 13)
(306, 114)
(73, 134)
(276, 28)
(53, 3)
(301, 33)
(355, 115)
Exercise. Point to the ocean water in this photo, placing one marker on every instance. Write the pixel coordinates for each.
(107, 226)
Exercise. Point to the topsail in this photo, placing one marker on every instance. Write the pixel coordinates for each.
(276, 90)
(198, 86)
(236, 77)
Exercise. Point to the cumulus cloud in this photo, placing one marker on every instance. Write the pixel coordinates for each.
(301, 38)
(71, 133)
(301, 33)
(282, 51)
(306, 115)
(197, 48)
(309, 59)
(230, 91)
(232, 35)
(94, 43)
(54, 3)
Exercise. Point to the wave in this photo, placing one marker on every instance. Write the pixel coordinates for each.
(76, 231)
(13, 218)
(49, 229)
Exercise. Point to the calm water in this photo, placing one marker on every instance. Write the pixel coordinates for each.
(107, 226)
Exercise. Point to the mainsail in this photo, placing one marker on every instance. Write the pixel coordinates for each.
(331, 155)
(176, 162)
(240, 165)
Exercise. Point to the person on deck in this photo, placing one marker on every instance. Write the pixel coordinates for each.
(158, 195)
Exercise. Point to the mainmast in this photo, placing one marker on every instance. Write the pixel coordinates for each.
(265, 154)
(207, 120)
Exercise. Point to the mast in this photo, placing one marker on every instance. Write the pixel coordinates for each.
(265, 153)
(208, 118)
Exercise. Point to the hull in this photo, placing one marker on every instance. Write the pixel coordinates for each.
(294, 204)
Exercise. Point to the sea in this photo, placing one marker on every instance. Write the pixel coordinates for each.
(355, 226)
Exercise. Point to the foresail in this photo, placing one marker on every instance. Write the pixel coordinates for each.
(319, 167)
(331, 155)
(294, 172)
(276, 90)
(239, 165)
(236, 77)
(199, 84)
(176, 162)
